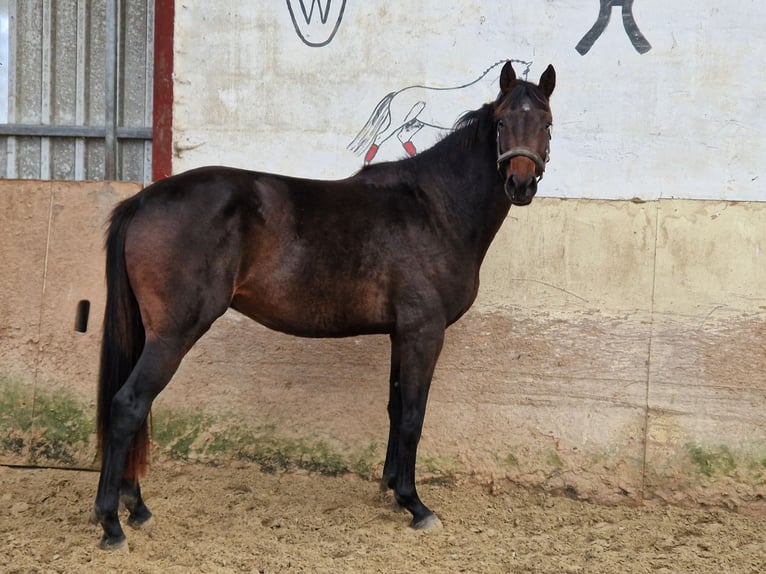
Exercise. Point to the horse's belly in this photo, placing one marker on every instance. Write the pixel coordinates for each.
(316, 313)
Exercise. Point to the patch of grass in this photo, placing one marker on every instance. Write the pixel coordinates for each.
(716, 461)
(511, 459)
(554, 460)
(437, 471)
(269, 456)
(12, 444)
(363, 462)
(320, 458)
(15, 405)
(55, 430)
(61, 426)
(756, 467)
(225, 442)
(274, 454)
(176, 433)
(181, 435)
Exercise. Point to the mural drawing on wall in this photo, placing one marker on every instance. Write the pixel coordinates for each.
(640, 43)
(400, 115)
(317, 24)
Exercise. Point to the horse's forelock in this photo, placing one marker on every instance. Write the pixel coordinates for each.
(520, 92)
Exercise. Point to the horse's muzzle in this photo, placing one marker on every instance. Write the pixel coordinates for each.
(521, 190)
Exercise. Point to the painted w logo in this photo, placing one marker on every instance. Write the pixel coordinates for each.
(323, 14)
(316, 32)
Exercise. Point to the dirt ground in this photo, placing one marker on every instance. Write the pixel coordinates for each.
(238, 519)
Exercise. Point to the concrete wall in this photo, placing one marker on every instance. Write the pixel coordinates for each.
(617, 349)
(51, 252)
(617, 352)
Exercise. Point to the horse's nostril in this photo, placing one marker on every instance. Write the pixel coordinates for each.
(531, 186)
(521, 185)
(521, 189)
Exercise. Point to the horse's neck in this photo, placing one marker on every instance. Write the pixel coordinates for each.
(471, 193)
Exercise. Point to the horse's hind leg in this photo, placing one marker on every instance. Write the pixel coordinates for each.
(140, 517)
(130, 407)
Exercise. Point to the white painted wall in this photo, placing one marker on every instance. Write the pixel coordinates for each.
(681, 120)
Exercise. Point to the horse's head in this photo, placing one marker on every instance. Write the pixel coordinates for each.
(523, 119)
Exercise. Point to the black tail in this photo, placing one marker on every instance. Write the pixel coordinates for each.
(123, 339)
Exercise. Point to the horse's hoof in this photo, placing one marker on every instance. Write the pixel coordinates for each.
(128, 502)
(119, 545)
(431, 523)
(143, 524)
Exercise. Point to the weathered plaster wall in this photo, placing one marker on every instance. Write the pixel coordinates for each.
(617, 351)
(680, 119)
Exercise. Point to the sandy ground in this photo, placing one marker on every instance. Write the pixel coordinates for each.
(238, 519)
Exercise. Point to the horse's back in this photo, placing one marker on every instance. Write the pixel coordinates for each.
(306, 257)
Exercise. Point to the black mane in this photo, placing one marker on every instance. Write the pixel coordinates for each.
(470, 128)
(475, 128)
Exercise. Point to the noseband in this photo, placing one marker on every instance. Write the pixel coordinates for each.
(521, 151)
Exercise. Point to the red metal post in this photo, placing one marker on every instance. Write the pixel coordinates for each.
(162, 113)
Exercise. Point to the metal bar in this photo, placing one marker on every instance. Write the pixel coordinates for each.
(34, 130)
(46, 87)
(110, 89)
(148, 90)
(133, 133)
(10, 170)
(79, 105)
(4, 28)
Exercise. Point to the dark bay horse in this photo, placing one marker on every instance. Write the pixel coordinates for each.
(394, 249)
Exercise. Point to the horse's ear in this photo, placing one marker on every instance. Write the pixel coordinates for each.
(548, 81)
(507, 78)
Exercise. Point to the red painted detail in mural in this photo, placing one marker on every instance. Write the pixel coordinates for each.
(371, 153)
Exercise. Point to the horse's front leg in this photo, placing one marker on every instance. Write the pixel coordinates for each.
(419, 351)
(394, 418)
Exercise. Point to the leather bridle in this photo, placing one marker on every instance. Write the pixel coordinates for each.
(521, 151)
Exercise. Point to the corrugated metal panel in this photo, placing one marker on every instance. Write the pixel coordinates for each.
(3, 58)
(78, 89)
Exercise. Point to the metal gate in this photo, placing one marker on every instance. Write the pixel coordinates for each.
(76, 89)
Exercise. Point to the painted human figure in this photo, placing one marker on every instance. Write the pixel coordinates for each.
(639, 41)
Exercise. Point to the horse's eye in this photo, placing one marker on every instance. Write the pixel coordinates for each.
(500, 124)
